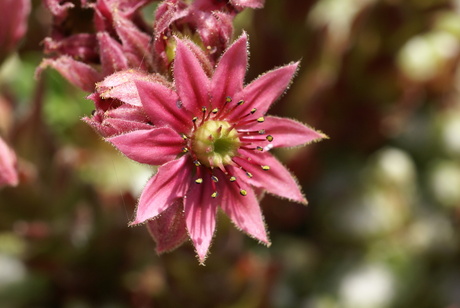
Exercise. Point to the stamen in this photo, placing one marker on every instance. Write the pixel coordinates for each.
(184, 136)
(203, 110)
(241, 102)
(249, 174)
(243, 192)
(228, 99)
(250, 140)
(266, 168)
(197, 163)
(253, 110)
(184, 150)
(259, 148)
(232, 178)
(269, 138)
(199, 180)
(214, 194)
(259, 120)
(214, 178)
(194, 123)
(215, 110)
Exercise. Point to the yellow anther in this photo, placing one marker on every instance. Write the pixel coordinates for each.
(199, 180)
(243, 192)
(261, 119)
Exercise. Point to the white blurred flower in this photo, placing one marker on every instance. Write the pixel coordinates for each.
(444, 181)
(370, 286)
(12, 270)
(424, 56)
(337, 16)
(395, 166)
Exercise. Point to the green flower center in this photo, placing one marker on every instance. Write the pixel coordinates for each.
(215, 143)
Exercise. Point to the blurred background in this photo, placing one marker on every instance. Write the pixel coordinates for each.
(380, 77)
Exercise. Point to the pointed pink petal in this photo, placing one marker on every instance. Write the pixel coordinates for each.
(82, 46)
(191, 82)
(200, 215)
(113, 58)
(244, 211)
(8, 172)
(136, 44)
(120, 85)
(278, 180)
(168, 229)
(163, 106)
(202, 57)
(154, 147)
(163, 189)
(262, 92)
(228, 77)
(287, 132)
(77, 73)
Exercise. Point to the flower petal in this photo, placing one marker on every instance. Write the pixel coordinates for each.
(154, 147)
(168, 229)
(228, 77)
(135, 43)
(191, 81)
(120, 85)
(244, 211)
(8, 172)
(163, 106)
(289, 133)
(200, 216)
(163, 189)
(277, 180)
(262, 92)
(112, 56)
(77, 73)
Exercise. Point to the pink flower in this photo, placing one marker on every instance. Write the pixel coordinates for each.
(212, 140)
(8, 172)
